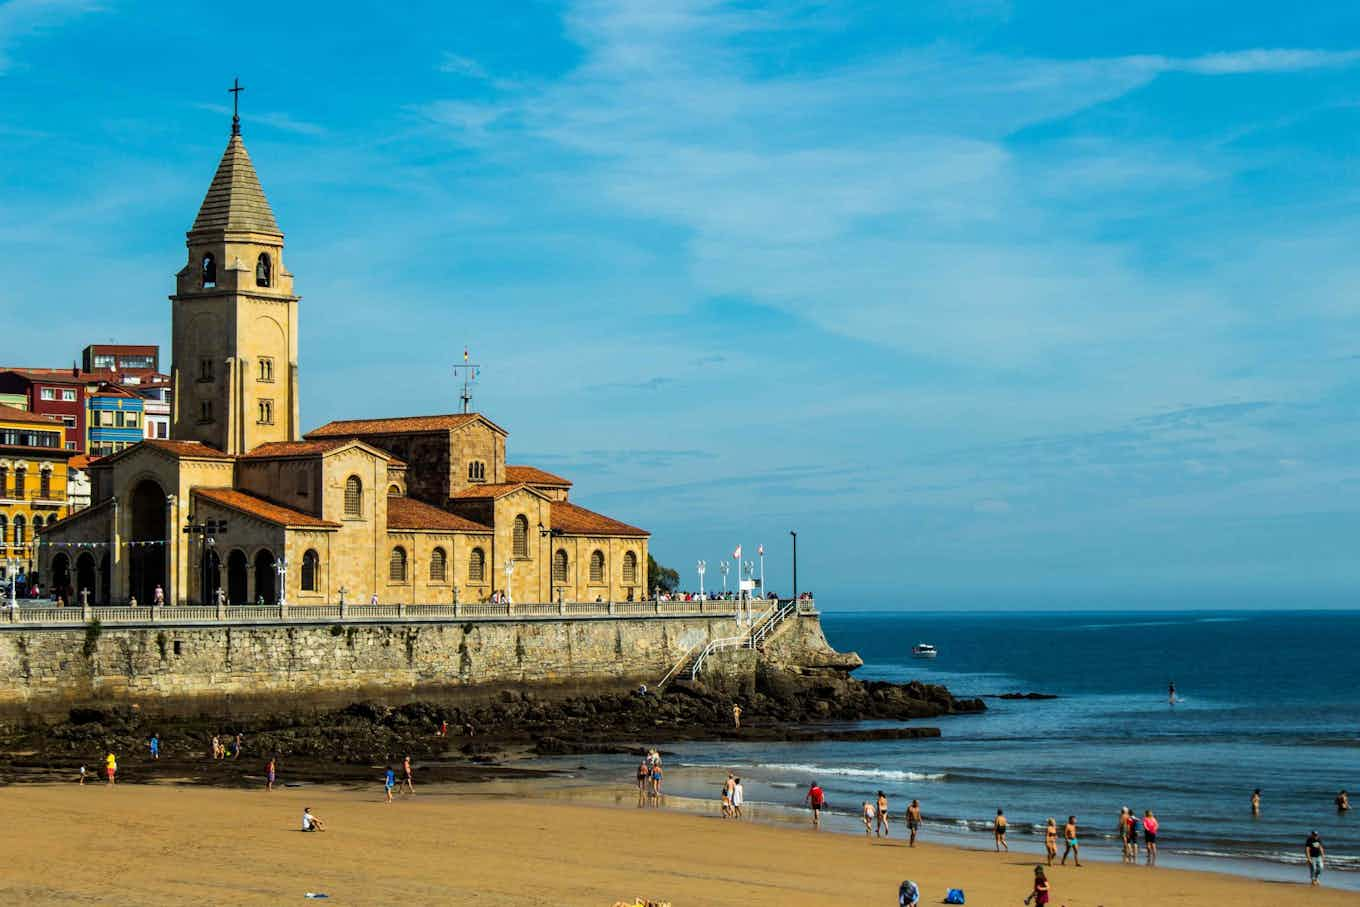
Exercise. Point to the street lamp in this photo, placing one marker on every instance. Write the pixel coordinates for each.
(509, 572)
(281, 568)
(702, 566)
(722, 568)
(794, 533)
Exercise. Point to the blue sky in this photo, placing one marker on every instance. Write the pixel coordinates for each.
(993, 302)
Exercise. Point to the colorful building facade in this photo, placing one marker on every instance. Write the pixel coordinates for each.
(33, 495)
(115, 419)
(55, 392)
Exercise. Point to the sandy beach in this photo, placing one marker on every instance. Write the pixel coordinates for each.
(167, 844)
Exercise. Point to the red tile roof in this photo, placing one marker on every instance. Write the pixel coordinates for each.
(273, 449)
(395, 426)
(532, 475)
(13, 414)
(575, 520)
(262, 509)
(490, 490)
(407, 513)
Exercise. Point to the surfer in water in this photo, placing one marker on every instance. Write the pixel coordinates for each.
(1171, 692)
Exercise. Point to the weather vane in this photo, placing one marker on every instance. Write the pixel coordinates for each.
(236, 89)
(468, 371)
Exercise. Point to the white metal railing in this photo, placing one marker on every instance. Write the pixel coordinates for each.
(43, 612)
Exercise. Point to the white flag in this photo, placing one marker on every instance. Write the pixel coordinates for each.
(736, 555)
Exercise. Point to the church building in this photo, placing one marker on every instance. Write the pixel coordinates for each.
(412, 509)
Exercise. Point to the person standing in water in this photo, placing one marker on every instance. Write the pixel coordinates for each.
(1070, 837)
(1171, 692)
(913, 821)
(868, 819)
(1150, 836)
(1121, 831)
(999, 832)
(738, 798)
(1343, 802)
(881, 826)
(816, 799)
(1256, 802)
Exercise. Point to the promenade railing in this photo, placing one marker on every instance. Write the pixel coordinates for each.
(44, 613)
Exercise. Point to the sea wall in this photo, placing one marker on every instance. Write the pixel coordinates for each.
(245, 668)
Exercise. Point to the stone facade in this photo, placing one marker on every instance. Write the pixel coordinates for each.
(248, 667)
(237, 504)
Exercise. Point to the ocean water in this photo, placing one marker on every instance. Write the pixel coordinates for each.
(1268, 700)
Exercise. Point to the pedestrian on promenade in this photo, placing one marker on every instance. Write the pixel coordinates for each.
(1070, 837)
(999, 832)
(913, 821)
(816, 799)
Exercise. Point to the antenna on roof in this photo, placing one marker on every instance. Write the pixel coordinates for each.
(468, 371)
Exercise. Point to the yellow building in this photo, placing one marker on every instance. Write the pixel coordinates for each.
(32, 484)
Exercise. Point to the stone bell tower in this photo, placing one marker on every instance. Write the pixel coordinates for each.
(235, 318)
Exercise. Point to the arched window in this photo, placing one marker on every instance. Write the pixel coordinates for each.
(4, 529)
(597, 566)
(476, 471)
(311, 567)
(438, 565)
(354, 497)
(559, 567)
(264, 271)
(20, 531)
(209, 271)
(629, 568)
(521, 537)
(394, 491)
(4, 480)
(396, 565)
(477, 566)
(45, 484)
(20, 479)
(37, 525)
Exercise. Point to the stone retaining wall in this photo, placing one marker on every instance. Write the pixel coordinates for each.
(188, 669)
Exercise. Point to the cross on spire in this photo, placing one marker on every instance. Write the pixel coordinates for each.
(236, 89)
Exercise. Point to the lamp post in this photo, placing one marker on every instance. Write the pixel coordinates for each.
(281, 568)
(509, 572)
(794, 533)
(722, 568)
(760, 550)
(13, 566)
(702, 566)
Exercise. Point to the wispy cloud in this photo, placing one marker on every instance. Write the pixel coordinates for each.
(21, 19)
(460, 65)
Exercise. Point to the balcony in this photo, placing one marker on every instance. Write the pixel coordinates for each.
(38, 496)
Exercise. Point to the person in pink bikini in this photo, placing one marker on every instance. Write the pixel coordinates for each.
(1150, 837)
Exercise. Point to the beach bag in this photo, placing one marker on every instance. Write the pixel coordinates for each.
(954, 896)
(908, 895)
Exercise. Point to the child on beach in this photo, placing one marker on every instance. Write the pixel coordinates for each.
(882, 823)
(913, 821)
(389, 782)
(727, 801)
(999, 832)
(1040, 893)
(111, 767)
(868, 819)
(1051, 839)
(311, 822)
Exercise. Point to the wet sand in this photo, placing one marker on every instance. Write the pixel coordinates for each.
(167, 844)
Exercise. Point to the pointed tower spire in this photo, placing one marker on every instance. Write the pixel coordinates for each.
(235, 202)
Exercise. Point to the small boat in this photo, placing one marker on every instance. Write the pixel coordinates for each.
(923, 650)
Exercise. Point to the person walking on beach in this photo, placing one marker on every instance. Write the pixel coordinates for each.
(311, 822)
(82, 776)
(407, 784)
(913, 821)
(1150, 836)
(154, 744)
(738, 798)
(269, 775)
(1315, 853)
(882, 823)
(644, 778)
(1070, 836)
(1256, 802)
(657, 777)
(1051, 839)
(1343, 802)
(1121, 832)
(726, 797)
(999, 832)
(1039, 895)
(389, 782)
(736, 717)
(236, 747)
(868, 819)
(816, 799)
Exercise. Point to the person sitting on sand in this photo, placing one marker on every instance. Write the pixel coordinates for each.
(908, 894)
(1051, 839)
(913, 821)
(1070, 837)
(999, 832)
(311, 822)
(1040, 893)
